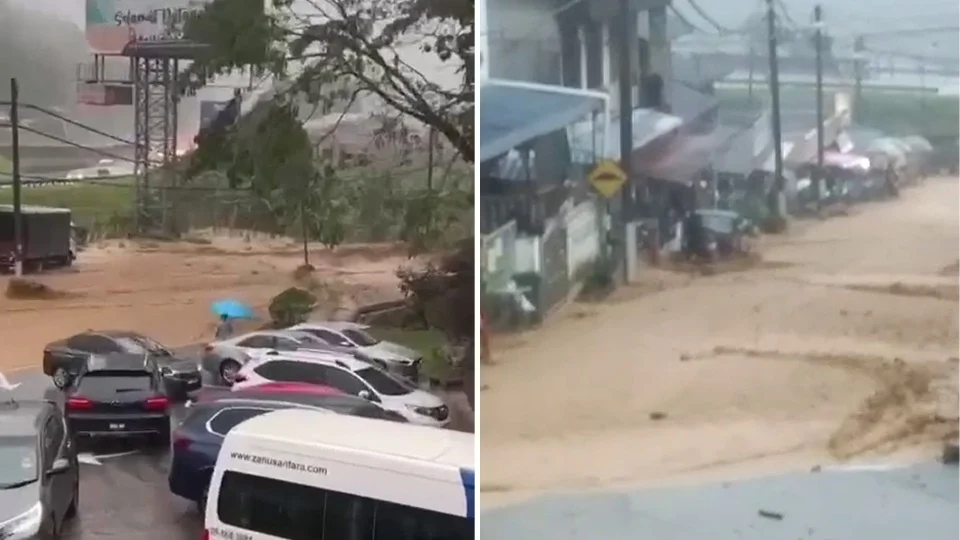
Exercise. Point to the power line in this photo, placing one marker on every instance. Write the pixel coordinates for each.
(71, 122)
(68, 142)
(700, 11)
(687, 22)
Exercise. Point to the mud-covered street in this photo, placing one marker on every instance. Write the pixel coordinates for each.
(841, 345)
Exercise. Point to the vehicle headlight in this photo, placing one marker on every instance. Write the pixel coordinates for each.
(27, 523)
(425, 411)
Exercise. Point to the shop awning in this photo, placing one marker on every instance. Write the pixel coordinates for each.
(591, 141)
(512, 113)
(686, 155)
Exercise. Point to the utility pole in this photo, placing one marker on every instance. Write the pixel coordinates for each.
(776, 192)
(17, 209)
(818, 41)
(625, 71)
(859, 46)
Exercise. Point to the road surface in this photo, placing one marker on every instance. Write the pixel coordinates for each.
(841, 346)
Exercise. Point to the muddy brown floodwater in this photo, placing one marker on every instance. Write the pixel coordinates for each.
(841, 346)
(165, 289)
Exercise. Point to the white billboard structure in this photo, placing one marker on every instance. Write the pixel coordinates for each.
(111, 25)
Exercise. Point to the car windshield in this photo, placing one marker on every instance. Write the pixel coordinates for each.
(105, 382)
(310, 340)
(18, 461)
(383, 382)
(360, 337)
(140, 345)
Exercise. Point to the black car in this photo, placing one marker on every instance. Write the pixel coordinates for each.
(197, 440)
(64, 358)
(118, 395)
(39, 471)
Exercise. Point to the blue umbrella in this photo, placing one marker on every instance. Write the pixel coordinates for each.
(233, 309)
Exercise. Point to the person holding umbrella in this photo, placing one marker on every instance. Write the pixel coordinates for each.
(227, 311)
(224, 328)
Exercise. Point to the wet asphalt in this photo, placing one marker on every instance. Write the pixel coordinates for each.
(123, 491)
(125, 495)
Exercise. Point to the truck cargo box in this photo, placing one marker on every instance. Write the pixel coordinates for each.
(46, 234)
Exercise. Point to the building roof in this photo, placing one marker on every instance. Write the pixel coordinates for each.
(513, 113)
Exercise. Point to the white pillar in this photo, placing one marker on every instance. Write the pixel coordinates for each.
(582, 41)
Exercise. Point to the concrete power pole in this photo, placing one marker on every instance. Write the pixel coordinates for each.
(859, 46)
(17, 180)
(818, 43)
(625, 47)
(777, 191)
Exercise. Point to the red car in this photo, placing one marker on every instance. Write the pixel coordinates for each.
(277, 390)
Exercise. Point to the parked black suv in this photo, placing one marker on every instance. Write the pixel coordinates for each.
(118, 395)
(39, 471)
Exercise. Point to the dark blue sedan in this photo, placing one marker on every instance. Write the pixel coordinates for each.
(197, 440)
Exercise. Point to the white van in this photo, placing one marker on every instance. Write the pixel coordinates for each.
(305, 475)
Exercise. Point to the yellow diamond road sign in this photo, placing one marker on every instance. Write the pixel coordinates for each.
(608, 178)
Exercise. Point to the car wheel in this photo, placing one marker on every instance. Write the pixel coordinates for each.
(74, 503)
(61, 377)
(228, 371)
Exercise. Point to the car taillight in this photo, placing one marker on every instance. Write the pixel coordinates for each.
(180, 442)
(208, 348)
(79, 403)
(206, 535)
(157, 404)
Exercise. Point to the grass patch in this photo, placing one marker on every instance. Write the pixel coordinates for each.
(5, 167)
(93, 206)
(430, 343)
(424, 341)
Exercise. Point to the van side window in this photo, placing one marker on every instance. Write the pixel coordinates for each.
(298, 512)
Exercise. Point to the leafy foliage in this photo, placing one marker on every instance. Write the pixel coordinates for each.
(348, 46)
(443, 295)
(291, 307)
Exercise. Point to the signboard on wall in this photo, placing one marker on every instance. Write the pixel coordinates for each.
(112, 24)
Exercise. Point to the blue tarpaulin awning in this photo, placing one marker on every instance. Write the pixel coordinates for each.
(512, 113)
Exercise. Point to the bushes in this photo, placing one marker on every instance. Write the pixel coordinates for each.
(290, 307)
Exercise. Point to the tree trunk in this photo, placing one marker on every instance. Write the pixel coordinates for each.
(469, 375)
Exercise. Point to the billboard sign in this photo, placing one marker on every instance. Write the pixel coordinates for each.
(112, 24)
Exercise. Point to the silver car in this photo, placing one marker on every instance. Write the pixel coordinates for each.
(223, 359)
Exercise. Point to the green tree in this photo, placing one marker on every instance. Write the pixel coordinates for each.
(348, 47)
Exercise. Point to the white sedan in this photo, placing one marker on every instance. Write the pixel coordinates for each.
(350, 376)
(393, 357)
(224, 358)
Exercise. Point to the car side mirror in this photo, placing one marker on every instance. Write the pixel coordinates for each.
(365, 394)
(59, 466)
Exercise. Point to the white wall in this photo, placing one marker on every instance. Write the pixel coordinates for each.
(583, 236)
